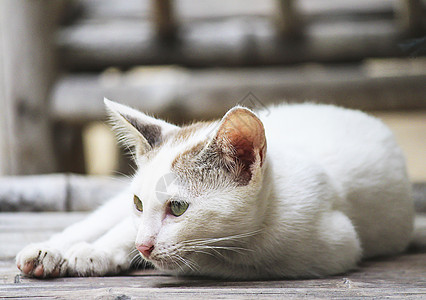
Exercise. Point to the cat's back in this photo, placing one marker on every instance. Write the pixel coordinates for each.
(324, 126)
(361, 157)
(339, 139)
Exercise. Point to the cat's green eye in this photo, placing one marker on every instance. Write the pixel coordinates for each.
(177, 208)
(138, 203)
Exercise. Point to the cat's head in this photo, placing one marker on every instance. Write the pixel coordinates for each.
(198, 192)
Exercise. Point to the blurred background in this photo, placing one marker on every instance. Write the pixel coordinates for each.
(185, 59)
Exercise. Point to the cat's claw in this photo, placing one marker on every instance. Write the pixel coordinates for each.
(40, 260)
(87, 260)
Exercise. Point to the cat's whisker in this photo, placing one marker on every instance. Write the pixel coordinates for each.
(137, 260)
(230, 248)
(138, 263)
(213, 250)
(205, 245)
(132, 252)
(195, 267)
(143, 262)
(175, 262)
(135, 257)
(186, 262)
(226, 238)
(199, 251)
(120, 176)
(216, 254)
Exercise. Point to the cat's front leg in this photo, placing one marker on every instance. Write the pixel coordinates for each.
(111, 254)
(47, 259)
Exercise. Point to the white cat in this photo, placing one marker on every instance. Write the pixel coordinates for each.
(302, 191)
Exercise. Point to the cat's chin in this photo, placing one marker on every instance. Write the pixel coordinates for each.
(174, 267)
(166, 265)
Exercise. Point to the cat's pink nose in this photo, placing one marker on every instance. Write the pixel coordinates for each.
(145, 249)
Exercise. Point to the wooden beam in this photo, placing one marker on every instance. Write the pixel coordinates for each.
(185, 95)
(5, 162)
(289, 19)
(164, 19)
(411, 15)
(227, 42)
(57, 192)
(27, 73)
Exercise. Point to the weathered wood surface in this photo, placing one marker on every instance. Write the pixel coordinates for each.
(57, 192)
(184, 95)
(231, 33)
(20, 229)
(395, 277)
(27, 67)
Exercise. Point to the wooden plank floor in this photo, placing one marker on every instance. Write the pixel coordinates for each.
(396, 277)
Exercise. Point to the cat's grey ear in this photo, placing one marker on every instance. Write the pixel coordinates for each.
(241, 141)
(135, 129)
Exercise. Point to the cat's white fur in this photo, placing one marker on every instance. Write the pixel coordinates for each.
(331, 189)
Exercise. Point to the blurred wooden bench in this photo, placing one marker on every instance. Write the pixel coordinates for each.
(53, 76)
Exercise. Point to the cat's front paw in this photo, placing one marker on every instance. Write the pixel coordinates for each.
(41, 260)
(87, 260)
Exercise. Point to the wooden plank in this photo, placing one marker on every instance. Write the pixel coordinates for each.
(87, 193)
(20, 229)
(182, 95)
(188, 10)
(59, 192)
(397, 277)
(33, 193)
(235, 40)
(27, 74)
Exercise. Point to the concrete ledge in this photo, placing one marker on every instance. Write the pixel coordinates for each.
(57, 192)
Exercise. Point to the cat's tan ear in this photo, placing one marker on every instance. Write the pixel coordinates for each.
(241, 141)
(135, 129)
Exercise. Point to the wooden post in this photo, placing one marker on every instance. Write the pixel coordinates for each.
(411, 16)
(26, 74)
(164, 19)
(4, 125)
(288, 19)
